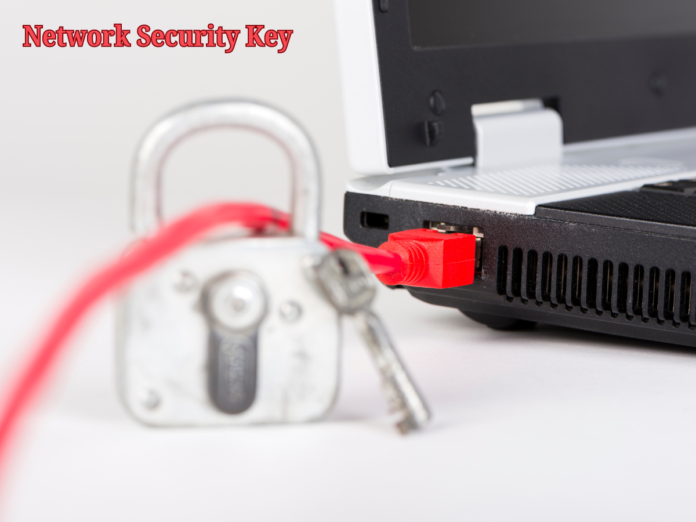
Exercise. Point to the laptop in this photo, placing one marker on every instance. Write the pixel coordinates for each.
(562, 133)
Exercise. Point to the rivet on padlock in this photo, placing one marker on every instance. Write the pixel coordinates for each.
(230, 330)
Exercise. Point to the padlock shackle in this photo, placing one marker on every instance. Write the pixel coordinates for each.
(146, 185)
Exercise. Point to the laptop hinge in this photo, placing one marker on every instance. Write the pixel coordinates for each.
(517, 132)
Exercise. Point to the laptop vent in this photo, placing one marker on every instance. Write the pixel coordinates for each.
(604, 287)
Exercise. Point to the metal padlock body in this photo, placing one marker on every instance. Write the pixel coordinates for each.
(163, 341)
(163, 366)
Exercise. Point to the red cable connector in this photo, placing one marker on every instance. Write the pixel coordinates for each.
(431, 259)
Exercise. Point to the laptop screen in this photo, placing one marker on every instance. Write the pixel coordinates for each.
(445, 23)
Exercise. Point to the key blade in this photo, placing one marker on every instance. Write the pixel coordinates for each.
(401, 389)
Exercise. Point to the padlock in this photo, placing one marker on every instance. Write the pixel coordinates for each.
(231, 330)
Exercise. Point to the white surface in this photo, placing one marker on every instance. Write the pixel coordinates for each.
(545, 425)
(585, 170)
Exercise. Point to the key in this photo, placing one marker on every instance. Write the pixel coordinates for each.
(347, 283)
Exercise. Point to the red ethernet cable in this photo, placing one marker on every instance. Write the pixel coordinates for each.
(118, 273)
(416, 257)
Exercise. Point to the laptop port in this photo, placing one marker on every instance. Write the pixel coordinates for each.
(374, 220)
(449, 228)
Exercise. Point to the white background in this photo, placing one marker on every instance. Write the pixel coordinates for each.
(550, 424)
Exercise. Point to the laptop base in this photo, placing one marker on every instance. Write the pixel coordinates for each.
(618, 263)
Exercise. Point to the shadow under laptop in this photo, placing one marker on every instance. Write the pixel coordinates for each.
(553, 333)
